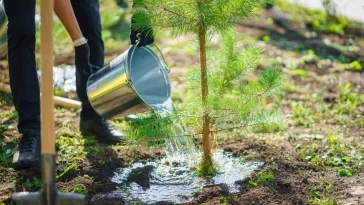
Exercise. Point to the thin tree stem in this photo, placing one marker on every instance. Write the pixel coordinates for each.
(206, 141)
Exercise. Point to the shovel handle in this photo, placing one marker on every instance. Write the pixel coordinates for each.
(46, 60)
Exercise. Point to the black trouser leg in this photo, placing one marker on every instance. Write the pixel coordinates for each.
(22, 66)
(88, 17)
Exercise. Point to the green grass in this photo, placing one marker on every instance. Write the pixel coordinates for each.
(32, 184)
(342, 110)
(69, 169)
(349, 100)
(80, 189)
(299, 73)
(5, 99)
(6, 154)
(302, 115)
(264, 179)
(331, 153)
(321, 21)
(224, 200)
(8, 115)
(321, 194)
(72, 147)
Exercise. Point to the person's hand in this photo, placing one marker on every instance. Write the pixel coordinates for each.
(144, 35)
(82, 60)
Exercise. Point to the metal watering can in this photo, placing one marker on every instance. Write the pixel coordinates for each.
(134, 82)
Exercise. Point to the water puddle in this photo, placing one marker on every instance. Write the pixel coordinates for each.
(174, 181)
(172, 178)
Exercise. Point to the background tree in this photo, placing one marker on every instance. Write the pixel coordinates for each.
(227, 99)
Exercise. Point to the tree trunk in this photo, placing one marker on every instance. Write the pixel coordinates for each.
(206, 165)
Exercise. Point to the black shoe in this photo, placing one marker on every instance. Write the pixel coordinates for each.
(28, 154)
(103, 130)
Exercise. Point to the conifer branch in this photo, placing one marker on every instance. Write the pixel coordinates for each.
(260, 94)
(235, 127)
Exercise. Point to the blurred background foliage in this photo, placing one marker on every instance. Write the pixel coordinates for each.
(115, 28)
(328, 21)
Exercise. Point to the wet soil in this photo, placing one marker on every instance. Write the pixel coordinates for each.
(295, 177)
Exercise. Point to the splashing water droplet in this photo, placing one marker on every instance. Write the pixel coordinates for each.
(180, 148)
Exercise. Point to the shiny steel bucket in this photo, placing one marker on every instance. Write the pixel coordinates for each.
(134, 82)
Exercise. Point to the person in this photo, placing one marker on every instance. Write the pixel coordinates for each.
(275, 14)
(81, 19)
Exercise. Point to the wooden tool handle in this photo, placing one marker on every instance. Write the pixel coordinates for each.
(46, 61)
(59, 101)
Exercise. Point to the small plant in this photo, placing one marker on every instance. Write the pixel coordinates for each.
(80, 189)
(69, 147)
(101, 162)
(5, 152)
(310, 56)
(355, 65)
(320, 194)
(223, 200)
(6, 156)
(8, 115)
(264, 178)
(302, 115)
(349, 100)
(332, 153)
(299, 73)
(73, 148)
(32, 184)
(266, 38)
(69, 169)
(345, 172)
(91, 146)
(323, 201)
(5, 99)
(195, 193)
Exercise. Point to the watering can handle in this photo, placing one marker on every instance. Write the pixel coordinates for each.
(164, 60)
(136, 45)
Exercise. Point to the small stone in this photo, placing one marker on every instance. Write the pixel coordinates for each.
(165, 162)
(357, 191)
(330, 97)
(283, 183)
(243, 184)
(140, 175)
(176, 164)
(164, 203)
(305, 180)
